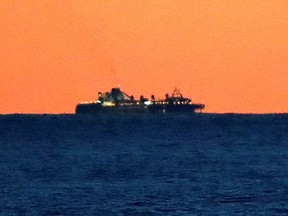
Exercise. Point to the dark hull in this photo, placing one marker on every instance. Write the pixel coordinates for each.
(175, 108)
(99, 109)
(159, 108)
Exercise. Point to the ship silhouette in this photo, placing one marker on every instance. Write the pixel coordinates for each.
(117, 101)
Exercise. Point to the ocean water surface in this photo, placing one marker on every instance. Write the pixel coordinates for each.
(201, 164)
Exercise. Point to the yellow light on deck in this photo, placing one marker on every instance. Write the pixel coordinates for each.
(108, 103)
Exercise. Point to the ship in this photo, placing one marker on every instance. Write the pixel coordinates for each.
(117, 101)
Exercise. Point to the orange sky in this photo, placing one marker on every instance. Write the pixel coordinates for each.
(230, 55)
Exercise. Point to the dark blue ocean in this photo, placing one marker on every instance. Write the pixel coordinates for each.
(201, 164)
